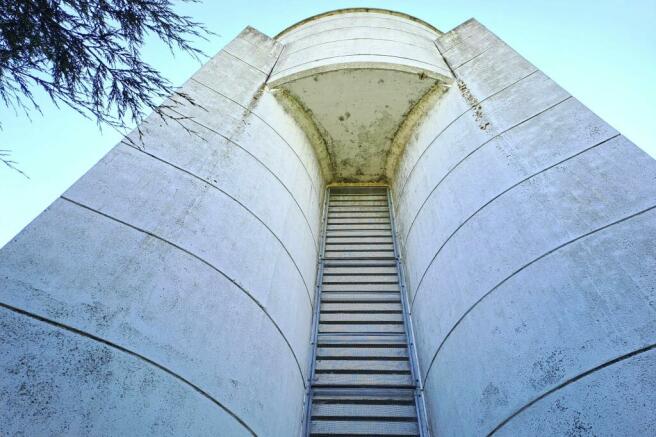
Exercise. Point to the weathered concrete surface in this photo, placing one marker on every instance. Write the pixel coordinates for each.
(59, 383)
(358, 75)
(529, 235)
(597, 404)
(170, 290)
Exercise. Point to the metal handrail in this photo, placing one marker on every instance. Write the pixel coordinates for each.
(422, 420)
(305, 429)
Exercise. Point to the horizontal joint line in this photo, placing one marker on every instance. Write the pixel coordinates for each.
(128, 352)
(207, 263)
(572, 380)
(231, 141)
(439, 250)
(507, 278)
(251, 111)
(234, 199)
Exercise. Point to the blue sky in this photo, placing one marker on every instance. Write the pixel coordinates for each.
(603, 52)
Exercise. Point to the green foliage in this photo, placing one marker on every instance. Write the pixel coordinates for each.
(87, 55)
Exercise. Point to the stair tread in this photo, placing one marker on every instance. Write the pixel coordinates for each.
(362, 352)
(361, 410)
(364, 233)
(366, 279)
(353, 263)
(361, 318)
(363, 366)
(361, 328)
(362, 340)
(363, 428)
(362, 384)
(368, 247)
(371, 395)
(357, 307)
(358, 213)
(364, 379)
(361, 287)
(358, 270)
(358, 207)
(358, 227)
(361, 298)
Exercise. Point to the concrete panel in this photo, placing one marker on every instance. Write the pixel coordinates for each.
(521, 213)
(220, 72)
(255, 49)
(462, 139)
(238, 175)
(330, 36)
(468, 129)
(234, 120)
(578, 196)
(471, 32)
(196, 255)
(377, 22)
(210, 110)
(93, 389)
(614, 401)
(350, 48)
(554, 320)
(153, 298)
(202, 220)
(260, 140)
(258, 129)
(227, 165)
(499, 165)
(231, 73)
(447, 109)
(259, 120)
(470, 40)
(484, 75)
(282, 124)
(359, 61)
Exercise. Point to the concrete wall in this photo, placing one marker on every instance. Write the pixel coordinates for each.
(529, 233)
(355, 75)
(358, 38)
(169, 291)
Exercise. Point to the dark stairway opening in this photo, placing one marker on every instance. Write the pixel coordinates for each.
(363, 379)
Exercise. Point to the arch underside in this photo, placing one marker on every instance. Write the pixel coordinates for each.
(360, 81)
(361, 115)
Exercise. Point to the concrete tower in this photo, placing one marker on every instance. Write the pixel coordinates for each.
(172, 289)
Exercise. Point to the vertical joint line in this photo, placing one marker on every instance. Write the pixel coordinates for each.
(446, 61)
(420, 405)
(274, 64)
(305, 428)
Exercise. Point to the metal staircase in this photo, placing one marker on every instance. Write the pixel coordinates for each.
(363, 373)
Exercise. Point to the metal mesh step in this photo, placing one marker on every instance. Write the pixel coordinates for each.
(362, 380)
(363, 428)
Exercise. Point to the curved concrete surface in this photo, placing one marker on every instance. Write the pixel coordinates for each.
(170, 290)
(181, 268)
(528, 227)
(362, 77)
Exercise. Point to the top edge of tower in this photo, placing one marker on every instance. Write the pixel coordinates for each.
(357, 10)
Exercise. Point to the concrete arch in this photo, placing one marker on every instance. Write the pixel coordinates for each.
(362, 90)
(526, 226)
(362, 11)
